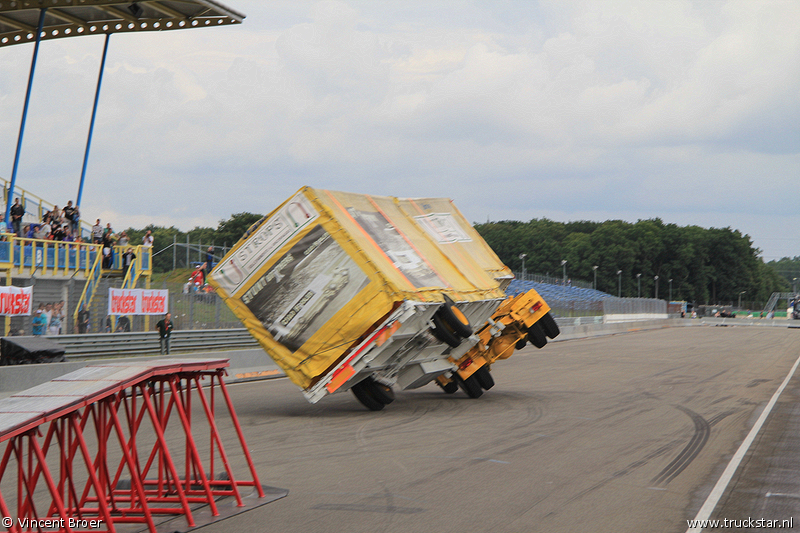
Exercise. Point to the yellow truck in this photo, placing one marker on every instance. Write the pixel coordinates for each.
(364, 293)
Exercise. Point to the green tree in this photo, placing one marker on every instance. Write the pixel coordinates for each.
(706, 265)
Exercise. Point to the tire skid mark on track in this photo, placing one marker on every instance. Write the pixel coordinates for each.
(757, 382)
(626, 470)
(716, 419)
(712, 378)
(720, 400)
(702, 430)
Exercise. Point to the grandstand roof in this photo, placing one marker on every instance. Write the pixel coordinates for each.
(71, 18)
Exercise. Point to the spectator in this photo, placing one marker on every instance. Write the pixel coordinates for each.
(48, 314)
(108, 251)
(165, 328)
(30, 231)
(54, 326)
(97, 232)
(83, 319)
(17, 212)
(67, 234)
(55, 216)
(108, 230)
(198, 278)
(39, 322)
(72, 217)
(123, 325)
(123, 239)
(3, 225)
(108, 323)
(127, 260)
(57, 233)
(147, 240)
(210, 258)
(43, 231)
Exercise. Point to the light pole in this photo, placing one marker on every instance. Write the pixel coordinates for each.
(639, 282)
(523, 256)
(595, 276)
(670, 289)
(740, 298)
(656, 280)
(619, 275)
(564, 266)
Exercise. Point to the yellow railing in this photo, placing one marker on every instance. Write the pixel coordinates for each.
(22, 256)
(41, 205)
(44, 257)
(92, 281)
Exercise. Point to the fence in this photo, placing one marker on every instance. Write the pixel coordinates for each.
(190, 310)
(552, 280)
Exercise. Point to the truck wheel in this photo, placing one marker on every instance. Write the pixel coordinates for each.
(521, 343)
(484, 377)
(364, 396)
(536, 336)
(470, 386)
(455, 319)
(549, 326)
(441, 332)
(450, 388)
(379, 391)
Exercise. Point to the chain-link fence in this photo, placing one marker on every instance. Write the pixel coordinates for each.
(552, 280)
(189, 309)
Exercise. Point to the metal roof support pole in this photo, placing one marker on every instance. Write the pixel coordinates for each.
(10, 197)
(91, 123)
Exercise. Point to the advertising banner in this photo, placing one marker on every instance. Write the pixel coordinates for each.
(15, 301)
(137, 301)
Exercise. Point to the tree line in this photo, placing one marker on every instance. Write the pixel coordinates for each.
(225, 235)
(706, 265)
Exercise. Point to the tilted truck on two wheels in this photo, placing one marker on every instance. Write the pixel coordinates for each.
(365, 293)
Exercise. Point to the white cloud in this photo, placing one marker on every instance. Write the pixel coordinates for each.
(515, 109)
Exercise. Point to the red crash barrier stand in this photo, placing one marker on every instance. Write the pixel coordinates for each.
(112, 446)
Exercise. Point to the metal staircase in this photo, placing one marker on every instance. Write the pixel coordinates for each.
(775, 298)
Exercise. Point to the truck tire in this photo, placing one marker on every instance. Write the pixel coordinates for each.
(549, 326)
(450, 388)
(366, 398)
(379, 391)
(536, 336)
(454, 319)
(470, 386)
(521, 343)
(443, 333)
(484, 377)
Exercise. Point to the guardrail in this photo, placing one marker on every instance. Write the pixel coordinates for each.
(92, 345)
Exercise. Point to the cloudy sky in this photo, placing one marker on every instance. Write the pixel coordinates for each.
(515, 109)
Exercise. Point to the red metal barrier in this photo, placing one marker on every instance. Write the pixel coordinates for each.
(116, 444)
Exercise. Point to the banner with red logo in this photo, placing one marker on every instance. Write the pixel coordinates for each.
(15, 301)
(137, 301)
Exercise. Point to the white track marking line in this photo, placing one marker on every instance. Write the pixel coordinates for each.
(716, 493)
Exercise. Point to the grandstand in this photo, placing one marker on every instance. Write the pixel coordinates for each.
(572, 301)
(73, 272)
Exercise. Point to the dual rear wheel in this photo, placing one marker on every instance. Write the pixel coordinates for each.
(372, 394)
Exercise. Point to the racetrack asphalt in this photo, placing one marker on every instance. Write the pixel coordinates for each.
(624, 433)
